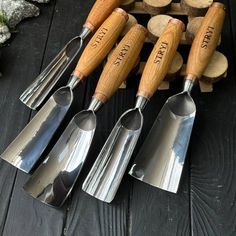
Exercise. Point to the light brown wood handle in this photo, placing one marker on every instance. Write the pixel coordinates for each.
(99, 12)
(160, 58)
(120, 63)
(205, 41)
(101, 43)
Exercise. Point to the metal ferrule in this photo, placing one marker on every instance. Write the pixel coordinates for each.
(189, 82)
(95, 104)
(141, 102)
(84, 33)
(73, 81)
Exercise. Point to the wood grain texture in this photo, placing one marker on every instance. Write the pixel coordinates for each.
(192, 28)
(25, 215)
(154, 211)
(213, 191)
(101, 43)
(120, 63)
(175, 67)
(206, 41)
(129, 24)
(205, 203)
(157, 6)
(156, 26)
(160, 58)
(88, 216)
(19, 67)
(231, 11)
(99, 12)
(216, 69)
(196, 8)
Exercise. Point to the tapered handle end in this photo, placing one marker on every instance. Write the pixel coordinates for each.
(206, 41)
(160, 58)
(99, 12)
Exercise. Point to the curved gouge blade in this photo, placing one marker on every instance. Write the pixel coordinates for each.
(161, 158)
(106, 174)
(53, 181)
(28, 146)
(111, 163)
(25, 150)
(69, 153)
(35, 94)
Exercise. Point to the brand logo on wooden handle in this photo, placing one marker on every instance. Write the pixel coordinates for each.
(161, 52)
(99, 37)
(122, 54)
(207, 37)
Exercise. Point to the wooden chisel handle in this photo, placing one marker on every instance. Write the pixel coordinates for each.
(99, 12)
(205, 41)
(160, 58)
(120, 63)
(101, 43)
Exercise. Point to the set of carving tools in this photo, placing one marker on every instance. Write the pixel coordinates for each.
(161, 158)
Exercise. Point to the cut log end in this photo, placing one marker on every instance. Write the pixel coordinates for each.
(155, 7)
(131, 22)
(216, 69)
(156, 26)
(196, 8)
(175, 68)
(192, 28)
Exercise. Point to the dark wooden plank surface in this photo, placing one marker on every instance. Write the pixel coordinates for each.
(107, 219)
(205, 203)
(20, 62)
(232, 10)
(169, 213)
(213, 152)
(62, 28)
